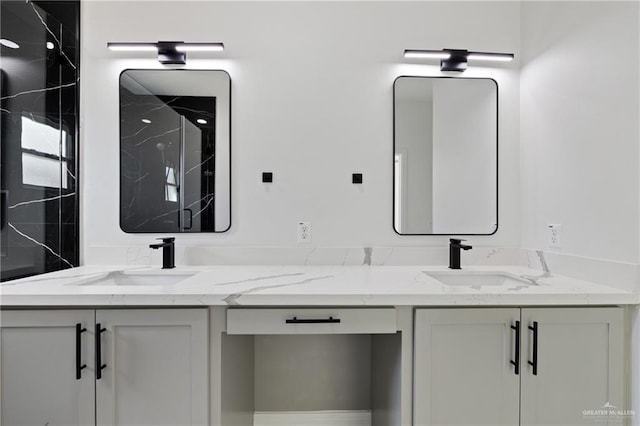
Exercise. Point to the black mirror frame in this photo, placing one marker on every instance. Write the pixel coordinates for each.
(120, 150)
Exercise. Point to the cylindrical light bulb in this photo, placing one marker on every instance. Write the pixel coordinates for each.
(200, 47)
(499, 57)
(426, 54)
(133, 47)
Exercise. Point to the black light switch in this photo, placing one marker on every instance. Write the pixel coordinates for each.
(356, 178)
(267, 177)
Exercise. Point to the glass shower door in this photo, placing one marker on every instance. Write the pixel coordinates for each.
(37, 144)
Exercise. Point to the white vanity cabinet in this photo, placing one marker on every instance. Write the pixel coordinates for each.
(154, 367)
(462, 369)
(342, 366)
(580, 365)
(41, 376)
(530, 366)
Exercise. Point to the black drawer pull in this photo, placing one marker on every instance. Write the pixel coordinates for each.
(79, 365)
(330, 320)
(99, 365)
(516, 363)
(534, 363)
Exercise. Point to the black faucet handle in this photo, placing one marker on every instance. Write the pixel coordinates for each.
(167, 239)
(456, 240)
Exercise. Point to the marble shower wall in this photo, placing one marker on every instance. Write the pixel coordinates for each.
(39, 144)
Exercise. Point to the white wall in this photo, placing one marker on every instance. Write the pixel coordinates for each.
(579, 127)
(312, 102)
(580, 138)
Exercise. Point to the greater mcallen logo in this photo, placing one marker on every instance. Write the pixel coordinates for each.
(608, 411)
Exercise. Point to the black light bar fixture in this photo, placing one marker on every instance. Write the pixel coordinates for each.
(456, 59)
(169, 52)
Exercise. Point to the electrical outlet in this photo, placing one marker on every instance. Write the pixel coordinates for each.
(304, 232)
(554, 235)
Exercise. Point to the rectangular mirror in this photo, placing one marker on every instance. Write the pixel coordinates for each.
(175, 151)
(445, 175)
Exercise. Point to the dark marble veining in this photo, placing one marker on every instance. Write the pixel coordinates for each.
(38, 144)
(232, 299)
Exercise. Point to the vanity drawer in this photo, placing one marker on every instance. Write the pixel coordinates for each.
(311, 321)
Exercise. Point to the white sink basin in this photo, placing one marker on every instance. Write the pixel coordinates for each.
(133, 278)
(480, 279)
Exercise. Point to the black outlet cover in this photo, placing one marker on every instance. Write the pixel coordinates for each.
(267, 176)
(356, 178)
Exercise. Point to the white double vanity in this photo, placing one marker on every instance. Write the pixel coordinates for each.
(312, 345)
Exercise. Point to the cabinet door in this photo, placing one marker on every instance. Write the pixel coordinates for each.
(155, 367)
(579, 365)
(40, 356)
(463, 373)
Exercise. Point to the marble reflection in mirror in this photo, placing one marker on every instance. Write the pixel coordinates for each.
(445, 156)
(174, 151)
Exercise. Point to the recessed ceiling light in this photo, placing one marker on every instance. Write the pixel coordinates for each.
(8, 43)
(50, 45)
(201, 121)
(146, 121)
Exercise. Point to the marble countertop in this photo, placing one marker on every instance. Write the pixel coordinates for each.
(299, 286)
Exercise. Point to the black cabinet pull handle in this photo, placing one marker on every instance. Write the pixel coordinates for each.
(534, 363)
(79, 365)
(99, 365)
(331, 320)
(516, 362)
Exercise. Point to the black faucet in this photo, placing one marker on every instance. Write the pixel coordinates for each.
(455, 245)
(168, 252)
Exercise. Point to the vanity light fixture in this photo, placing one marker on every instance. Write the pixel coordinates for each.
(169, 52)
(201, 121)
(8, 43)
(146, 121)
(456, 59)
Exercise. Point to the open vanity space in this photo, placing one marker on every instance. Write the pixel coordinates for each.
(312, 366)
(343, 346)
